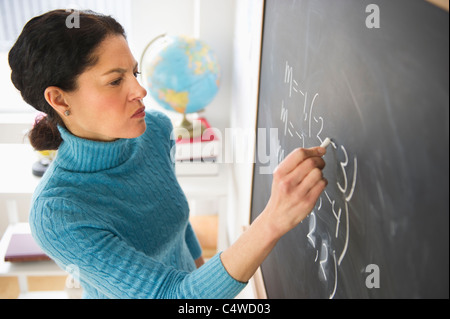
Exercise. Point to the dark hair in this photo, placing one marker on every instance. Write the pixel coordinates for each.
(54, 51)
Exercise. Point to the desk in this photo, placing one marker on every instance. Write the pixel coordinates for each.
(17, 182)
(23, 269)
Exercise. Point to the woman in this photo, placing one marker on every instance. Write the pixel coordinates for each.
(110, 204)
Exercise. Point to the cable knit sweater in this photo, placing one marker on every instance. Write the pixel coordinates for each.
(115, 213)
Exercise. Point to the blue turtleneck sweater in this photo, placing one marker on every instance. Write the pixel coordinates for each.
(115, 213)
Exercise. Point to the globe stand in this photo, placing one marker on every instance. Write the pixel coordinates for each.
(195, 129)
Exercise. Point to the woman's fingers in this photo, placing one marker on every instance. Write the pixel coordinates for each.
(309, 182)
(316, 190)
(288, 176)
(296, 157)
(302, 170)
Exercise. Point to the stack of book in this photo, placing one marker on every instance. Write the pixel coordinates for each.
(198, 155)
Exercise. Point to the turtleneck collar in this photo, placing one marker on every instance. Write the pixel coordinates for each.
(82, 155)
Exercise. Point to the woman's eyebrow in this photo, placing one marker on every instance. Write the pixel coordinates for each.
(119, 70)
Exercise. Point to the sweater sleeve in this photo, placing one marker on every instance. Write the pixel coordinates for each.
(116, 269)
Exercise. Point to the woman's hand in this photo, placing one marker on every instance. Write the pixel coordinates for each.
(297, 184)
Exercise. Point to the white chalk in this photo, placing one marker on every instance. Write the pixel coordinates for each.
(326, 142)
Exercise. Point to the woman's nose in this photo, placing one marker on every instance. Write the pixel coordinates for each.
(139, 92)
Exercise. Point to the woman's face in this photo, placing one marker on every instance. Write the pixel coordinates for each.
(107, 104)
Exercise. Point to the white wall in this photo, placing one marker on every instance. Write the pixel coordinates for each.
(11, 99)
(246, 62)
(244, 100)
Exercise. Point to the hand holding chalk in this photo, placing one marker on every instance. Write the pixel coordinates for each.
(297, 183)
(296, 186)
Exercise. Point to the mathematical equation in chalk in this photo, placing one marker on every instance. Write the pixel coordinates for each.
(310, 129)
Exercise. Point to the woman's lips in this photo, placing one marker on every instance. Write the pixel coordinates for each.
(139, 113)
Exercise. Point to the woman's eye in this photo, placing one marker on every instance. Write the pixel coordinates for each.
(116, 82)
(136, 74)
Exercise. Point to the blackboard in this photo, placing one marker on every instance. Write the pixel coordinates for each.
(373, 76)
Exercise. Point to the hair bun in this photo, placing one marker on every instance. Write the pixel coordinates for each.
(45, 134)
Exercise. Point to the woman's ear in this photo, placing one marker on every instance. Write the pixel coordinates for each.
(56, 98)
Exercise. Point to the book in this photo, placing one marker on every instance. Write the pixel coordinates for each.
(22, 247)
(203, 148)
(188, 168)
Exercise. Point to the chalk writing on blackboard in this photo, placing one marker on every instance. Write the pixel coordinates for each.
(310, 129)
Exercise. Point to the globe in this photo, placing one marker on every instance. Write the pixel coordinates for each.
(181, 73)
